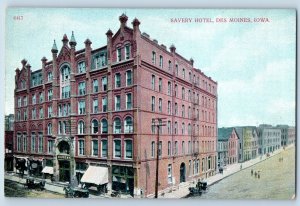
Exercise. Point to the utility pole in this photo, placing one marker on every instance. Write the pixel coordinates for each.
(158, 125)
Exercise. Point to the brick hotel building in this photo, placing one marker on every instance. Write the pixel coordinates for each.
(96, 109)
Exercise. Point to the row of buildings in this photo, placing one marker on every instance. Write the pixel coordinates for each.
(239, 144)
(97, 111)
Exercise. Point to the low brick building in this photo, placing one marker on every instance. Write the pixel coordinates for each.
(98, 108)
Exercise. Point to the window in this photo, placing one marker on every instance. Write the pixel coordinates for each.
(170, 174)
(169, 107)
(33, 114)
(152, 149)
(189, 129)
(81, 88)
(128, 125)
(65, 73)
(41, 142)
(100, 61)
(81, 127)
(128, 78)
(49, 111)
(153, 126)
(160, 105)
(176, 90)
(104, 104)
(104, 128)
(183, 147)
(50, 76)
(95, 126)
(65, 92)
(160, 61)
(153, 82)
(95, 85)
(24, 142)
(25, 114)
(41, 113)
(169, 88)
(170, 65)
(95, 105)
(189, 147)
(49, 94)
(50, 146)
(81, 67)
(128, 101)
(60, 127)
(19, 102)
(183, 111)
(153, 104)
(33, 142)
(169, 148)
(183, 128)
(159, 84)
(81, 107)
(49, 129)
(104, 83)
(175, 128)
(117, 103)
(128, 148)
(176, 69)
(190, 167)
(104, 148)
(119, 55)
(117, 126)
(176, 147)
(176, 109)
(80, 147)
(19, 116)
(190, 77)
(118, 80)
(127, 51)
(41, 95)
(153, 57)
(25, 101)
(23, 84)
(19, 136)
(183, 93)
(95, 147)
(33, 99)
(169, 127)
(183, 73)
(117, 148)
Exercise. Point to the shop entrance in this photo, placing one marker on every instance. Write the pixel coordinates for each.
(64, 171)
(182, 172)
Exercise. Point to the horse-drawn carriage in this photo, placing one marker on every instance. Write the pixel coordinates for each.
(200, 187)
(35, 183)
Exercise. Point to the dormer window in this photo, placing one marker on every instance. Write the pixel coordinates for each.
(33, 81)
(81, 67)
(50, 76)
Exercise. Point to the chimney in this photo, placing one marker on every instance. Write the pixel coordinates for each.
(172, 48)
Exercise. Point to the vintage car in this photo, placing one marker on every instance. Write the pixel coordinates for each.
(35, 183)
(200, 187)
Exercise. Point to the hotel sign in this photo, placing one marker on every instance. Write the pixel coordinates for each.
(63, 157)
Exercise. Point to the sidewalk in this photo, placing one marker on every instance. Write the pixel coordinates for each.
(183, 190)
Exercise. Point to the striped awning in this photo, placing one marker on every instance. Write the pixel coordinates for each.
(95, 175)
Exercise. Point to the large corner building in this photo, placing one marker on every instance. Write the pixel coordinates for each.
(99, 107)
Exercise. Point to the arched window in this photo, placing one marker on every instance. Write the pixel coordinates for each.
(80, 127)
(65, 73)
(117, 125)
(104, 126)
(95, 126)
(49, 129)
(128, 125)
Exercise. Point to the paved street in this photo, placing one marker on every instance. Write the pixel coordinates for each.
(14, 189)
(277, 180)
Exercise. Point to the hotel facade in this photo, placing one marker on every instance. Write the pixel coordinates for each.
(99, 108)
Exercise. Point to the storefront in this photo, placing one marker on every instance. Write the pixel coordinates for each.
(123, 179)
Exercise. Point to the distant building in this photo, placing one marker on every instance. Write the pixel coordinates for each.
(291, 135)
(248, 142)
(271, 138)
(8, 142)
(284, 134)
(227, 146)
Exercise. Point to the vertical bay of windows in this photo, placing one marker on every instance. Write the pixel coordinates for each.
(95, 85)
(127, 51)
(104, 148)
(104, 83)
(104, 104)
(81, 107)
(81, 88)
(128, 78)
(81, 147)
(128, 149)
(119, 55)
(41, 142)
(117, 148)
(95, 147)
(81, 67)
(117, 80)
(33, 142)
(95, 105)
(128, 101)
(117, 103)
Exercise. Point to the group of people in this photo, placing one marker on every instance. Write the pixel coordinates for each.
(256, 173)
(280, 159)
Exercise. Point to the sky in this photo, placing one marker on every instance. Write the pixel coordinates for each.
(254, 63)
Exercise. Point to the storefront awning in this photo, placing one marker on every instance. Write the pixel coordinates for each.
(48, 170)
(95, 175)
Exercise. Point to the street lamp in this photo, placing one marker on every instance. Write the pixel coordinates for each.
(159, 124)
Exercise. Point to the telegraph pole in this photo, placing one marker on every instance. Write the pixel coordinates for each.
(158, 125)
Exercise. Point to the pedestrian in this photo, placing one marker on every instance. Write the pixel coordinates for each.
(255, 174)
(251, 172)
(241, 166)
(258, 174)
